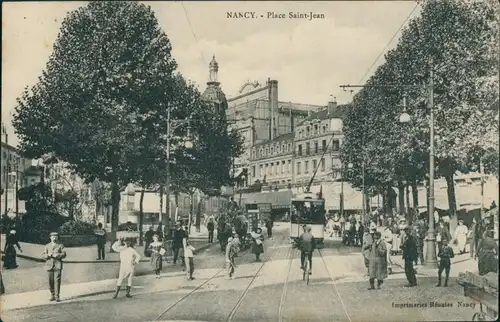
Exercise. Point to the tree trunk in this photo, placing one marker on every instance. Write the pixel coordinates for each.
(414, 192)
(367, 203)
(141, 215)
(409, 212)
(161, 204)
(115, 211)
(401, 198)
(452, 201)
(389, 199)
(198, 216)
(384, 201)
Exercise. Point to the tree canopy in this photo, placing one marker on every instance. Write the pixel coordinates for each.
(459, 41)
(101, 103)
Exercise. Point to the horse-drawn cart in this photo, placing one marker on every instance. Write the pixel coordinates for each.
(484, 290)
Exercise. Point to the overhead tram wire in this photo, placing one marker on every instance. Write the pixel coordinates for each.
(390, 41)
(192, 31)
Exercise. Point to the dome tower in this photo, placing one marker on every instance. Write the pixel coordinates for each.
(214, 93)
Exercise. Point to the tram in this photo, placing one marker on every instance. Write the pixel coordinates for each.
(307, 209)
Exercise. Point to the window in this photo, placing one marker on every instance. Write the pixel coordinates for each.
(261, 173)
(253, 154)
(308, 131)
(283, 167)
(272, 150)
(324, 128)
(306, 166)
(322, 164)
(283, 148)
(315, 146)
(300, 150)
(289, 147)
(335, 145)
(253, 171)
(298, 167)
(315, 164)
(308, 148)
(276, 165)
(266, 170)
(289, 166)
(323, 145)
(271, 166)
(316, 129)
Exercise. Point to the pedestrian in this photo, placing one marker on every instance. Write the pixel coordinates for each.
(461, 236)
(100, 235)
(396, 238)
(178, 243)
(148, 239)
(210, 228)
(257, 247)
(269, 226)
(445, 256)
(342, 226)
(10, 254)
(377, 261)
(409, 247)
(232, 250)
(487, 253)
(189, 255)
(157, 251)
(53, 254)
(387, 236)
(221, 235)
(442, 233)
(473, 236)
(129, 258)
(420, 240)
(366, 248)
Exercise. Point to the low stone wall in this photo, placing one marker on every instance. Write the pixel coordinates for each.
(77, 240)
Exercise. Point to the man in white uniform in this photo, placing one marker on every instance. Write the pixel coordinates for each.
(387, 236)
(129, 257)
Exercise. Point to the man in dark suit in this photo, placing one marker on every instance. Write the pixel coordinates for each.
(179, 242)
(54, 253)
(410, 255)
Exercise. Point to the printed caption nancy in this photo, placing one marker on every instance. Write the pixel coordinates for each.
(274, 15)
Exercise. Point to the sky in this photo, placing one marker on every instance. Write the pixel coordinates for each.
(309, 58)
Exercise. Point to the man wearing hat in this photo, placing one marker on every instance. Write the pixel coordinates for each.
(410, 255)
(54, 253)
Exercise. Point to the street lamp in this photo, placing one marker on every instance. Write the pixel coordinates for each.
(430, 256)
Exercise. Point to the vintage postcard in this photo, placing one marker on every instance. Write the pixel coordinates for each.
(250, 161)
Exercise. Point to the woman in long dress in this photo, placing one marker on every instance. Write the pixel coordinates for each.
(461, 236)
(10, 251)
(156, 250)
(487, 254)
(257, 247)
(378, 261)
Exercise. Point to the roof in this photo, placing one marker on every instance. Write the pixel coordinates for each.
(283, 137)
(337, 113)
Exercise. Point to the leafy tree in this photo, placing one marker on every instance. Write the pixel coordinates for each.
(110, 70)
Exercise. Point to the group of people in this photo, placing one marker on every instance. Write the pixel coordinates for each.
(349, 228)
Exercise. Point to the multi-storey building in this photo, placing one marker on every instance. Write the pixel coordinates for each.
(258, 114)
(13, 167)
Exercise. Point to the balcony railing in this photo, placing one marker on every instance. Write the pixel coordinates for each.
(320, 152)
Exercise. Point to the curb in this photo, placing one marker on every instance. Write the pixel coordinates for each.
(143, 260)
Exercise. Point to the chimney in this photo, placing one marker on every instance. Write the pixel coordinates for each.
(273, 98)
(332, 105)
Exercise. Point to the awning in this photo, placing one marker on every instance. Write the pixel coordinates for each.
(277, 199)
(236, 173)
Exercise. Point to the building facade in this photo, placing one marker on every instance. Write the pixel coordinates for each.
(13, 167)
(259, 116)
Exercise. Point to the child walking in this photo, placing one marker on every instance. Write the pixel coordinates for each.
(129, 257)
(157, 251)
(189, 256)
(445, 255)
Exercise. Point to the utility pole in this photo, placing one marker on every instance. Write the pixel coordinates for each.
(7, 169)
(430, 256)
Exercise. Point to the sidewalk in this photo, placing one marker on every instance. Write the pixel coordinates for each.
(175, 281)
(459, 264)
(88, 254)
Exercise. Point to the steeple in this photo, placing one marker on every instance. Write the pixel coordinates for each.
(213, 67)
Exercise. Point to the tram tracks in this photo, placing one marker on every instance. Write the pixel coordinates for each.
(291, 257)
(214, 276)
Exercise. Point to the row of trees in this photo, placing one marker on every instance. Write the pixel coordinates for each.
(459, 40)
(101, 105)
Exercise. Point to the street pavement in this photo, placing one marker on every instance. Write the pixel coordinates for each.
(30, 275)
(272, 290)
